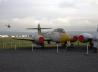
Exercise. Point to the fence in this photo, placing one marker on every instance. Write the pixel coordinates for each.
(12, 43)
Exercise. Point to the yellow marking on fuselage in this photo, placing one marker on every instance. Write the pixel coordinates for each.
(64, 38)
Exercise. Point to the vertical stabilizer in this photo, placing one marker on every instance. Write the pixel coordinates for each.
(39, 29)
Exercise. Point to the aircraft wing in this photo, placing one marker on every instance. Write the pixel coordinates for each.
(30, 39)
(46, 28)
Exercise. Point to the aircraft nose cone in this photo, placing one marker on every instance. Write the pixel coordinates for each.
(75, 38)
(41, 40)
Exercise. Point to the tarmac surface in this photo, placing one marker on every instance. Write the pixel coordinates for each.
(48, 60)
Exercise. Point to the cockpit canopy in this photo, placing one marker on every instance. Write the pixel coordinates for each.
(59, 30)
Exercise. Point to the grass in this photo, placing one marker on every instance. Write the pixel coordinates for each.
(12, 43)
(77, 43)
(7, 43)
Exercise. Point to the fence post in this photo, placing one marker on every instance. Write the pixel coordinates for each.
(32, 47)
(57, 48)
(15, 47)
(87, 48)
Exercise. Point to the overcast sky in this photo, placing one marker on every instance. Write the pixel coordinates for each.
(67, 14)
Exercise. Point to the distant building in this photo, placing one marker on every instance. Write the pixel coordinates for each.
(4, 36)
(18, 36)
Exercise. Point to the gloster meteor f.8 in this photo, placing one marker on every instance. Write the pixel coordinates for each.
(57, 35)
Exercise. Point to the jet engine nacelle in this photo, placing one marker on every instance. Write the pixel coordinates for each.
(74, 38)
(39, 39)
(84, 37)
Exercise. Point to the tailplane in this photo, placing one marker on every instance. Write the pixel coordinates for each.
(38, 28)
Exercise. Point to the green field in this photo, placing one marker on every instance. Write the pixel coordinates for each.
(12, 43)
(7, 43)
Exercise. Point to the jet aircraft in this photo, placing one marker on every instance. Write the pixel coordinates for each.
(57, 35)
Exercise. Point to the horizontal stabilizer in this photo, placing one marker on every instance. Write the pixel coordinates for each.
(31, 28)
(46, 28)
(38, 28)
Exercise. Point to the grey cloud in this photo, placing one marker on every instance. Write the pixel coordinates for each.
(15, 8)
(66, 23)
(39, 9)
(66, 4)
(24, 8)
(2, 1)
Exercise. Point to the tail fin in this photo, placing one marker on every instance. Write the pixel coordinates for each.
(39, 28)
